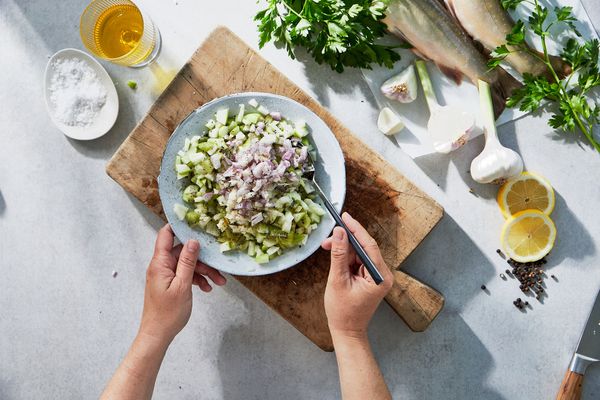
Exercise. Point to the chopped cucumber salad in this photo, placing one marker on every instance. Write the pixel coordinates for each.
(246, 184)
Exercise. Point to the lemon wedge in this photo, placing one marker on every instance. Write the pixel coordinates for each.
(527, 191)
(528, 236)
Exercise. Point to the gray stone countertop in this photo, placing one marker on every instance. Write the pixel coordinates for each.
(65, 226)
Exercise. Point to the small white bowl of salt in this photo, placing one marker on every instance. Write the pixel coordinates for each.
(80, 96)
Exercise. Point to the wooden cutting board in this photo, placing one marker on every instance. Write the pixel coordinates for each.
(395, 211)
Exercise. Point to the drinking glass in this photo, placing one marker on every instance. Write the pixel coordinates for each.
(119, 32)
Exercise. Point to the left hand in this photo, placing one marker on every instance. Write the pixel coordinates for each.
(169, 279)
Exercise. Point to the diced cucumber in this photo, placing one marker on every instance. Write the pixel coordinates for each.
(180, 210)
(298, 216)
(182, 168)
(240, 115)
(262, 109)
(272, 250)
(253, 103)
(190, 193)
(287, 223)
(192, 218)
(251, 249)
(195, 158)
(211, 228)
(222, 115)
(262, 258)
(250, 119)
(205, 146)
(225, 247)
(314, 207)
(223, 131)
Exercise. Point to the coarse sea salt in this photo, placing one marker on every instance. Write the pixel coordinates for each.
(76, 93)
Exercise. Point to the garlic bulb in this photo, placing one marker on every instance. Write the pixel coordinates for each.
(388, 122)
(402, 87)
(496, 163)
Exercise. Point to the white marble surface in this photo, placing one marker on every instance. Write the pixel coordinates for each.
(65, 322)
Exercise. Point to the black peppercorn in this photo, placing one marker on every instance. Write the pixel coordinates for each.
(483, 287)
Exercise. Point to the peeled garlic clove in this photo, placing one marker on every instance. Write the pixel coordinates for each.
(388, 122)
(402, 87)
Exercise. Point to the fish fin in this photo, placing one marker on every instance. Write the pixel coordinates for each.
(419, 54)
(478, 45)
(502, 89)
(404, 43)
(451, 73)
(450, 5)
(481, 48)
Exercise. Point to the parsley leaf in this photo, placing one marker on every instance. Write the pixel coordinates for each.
(334, 32)
(573, 109)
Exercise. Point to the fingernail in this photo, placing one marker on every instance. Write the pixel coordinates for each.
(349, 216)
(193, 245)
(338, 234)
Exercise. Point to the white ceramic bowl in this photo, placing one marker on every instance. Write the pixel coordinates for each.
(108, 114)
(330, 173)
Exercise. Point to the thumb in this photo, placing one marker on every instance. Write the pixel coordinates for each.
(187, 262)
(340, 267)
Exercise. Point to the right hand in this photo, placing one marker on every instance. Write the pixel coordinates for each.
(351, 295)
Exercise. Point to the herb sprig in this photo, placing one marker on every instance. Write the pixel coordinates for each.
(574, 109)
(340, 33)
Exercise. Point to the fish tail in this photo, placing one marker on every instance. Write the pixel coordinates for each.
(562, 68)
(502, 88)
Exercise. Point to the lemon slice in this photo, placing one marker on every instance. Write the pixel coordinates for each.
(528, 236)
(527, 191)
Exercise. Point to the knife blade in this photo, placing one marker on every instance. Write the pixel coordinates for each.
(588, 352)
(588, 349)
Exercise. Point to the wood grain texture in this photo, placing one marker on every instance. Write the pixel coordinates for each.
(394, 210)
(416, 303)
(570, 389)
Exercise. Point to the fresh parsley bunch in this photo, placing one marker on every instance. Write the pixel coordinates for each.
(340, 33)
(575, 110)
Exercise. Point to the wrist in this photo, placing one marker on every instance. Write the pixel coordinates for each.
(355, 335)
(151, 341)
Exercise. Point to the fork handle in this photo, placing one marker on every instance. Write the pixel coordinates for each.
(360, 252)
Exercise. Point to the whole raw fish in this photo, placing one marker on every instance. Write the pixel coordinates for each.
(436, 35)
(489, 23)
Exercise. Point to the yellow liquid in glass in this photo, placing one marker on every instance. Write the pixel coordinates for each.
(118, 30)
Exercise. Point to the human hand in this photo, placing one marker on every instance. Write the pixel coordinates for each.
(169, 279)
(351, 295)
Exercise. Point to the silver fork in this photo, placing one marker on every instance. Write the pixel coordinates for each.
(370, 266)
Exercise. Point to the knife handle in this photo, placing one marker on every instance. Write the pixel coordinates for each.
(570, 389)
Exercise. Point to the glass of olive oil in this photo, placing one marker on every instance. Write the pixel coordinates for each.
(118, 31)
